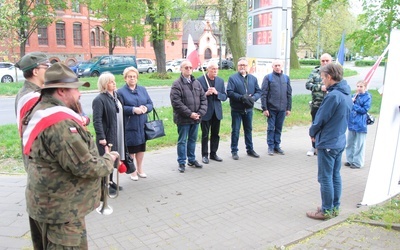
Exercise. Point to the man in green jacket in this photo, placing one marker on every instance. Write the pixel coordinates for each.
(64, 166)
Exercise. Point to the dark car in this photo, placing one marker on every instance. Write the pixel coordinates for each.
(226, 64)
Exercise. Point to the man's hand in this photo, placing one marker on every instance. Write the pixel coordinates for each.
(266, 113)
(195, 116)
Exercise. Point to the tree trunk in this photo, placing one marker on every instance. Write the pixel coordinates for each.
(159, 50)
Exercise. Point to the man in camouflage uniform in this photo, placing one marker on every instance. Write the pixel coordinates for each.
(33, 66)
(318, 91)
(64, 167)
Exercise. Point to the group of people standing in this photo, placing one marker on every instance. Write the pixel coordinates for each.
(198, 101)
(65, 165)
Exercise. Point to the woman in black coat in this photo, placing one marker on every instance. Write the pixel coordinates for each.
(108, 119)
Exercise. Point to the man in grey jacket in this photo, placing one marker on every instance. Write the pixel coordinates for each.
(189, 104)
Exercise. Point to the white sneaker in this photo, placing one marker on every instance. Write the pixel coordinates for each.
(310, 152)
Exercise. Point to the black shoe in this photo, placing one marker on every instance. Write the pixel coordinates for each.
(205, 160)
(354, 166)
(215, 158)
(347, 164)
(235, 156)
(181, 168)
(112, 191)
(113, 185)
(270, 151)
(252, 153)
(279, 151)
(195, 164)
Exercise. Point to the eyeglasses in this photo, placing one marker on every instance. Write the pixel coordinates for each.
(242, 65)
(187, 67)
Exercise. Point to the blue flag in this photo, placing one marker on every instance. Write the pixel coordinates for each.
(341, 53)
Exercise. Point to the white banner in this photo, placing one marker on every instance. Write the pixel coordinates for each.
(384, 173)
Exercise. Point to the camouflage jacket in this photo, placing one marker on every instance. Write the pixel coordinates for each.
(314, 83)
(64, 171)
(27, 88)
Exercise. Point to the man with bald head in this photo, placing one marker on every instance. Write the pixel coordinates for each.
(214, 88)
(318, 91)
(276, 103)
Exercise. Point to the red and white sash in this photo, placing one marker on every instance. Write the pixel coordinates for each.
(25, 103)
(43, 119)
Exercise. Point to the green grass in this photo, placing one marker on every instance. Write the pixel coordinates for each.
(147, 80)
(388, 213)
(300, 116)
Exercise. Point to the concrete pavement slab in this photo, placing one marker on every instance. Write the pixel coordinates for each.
(246, 204)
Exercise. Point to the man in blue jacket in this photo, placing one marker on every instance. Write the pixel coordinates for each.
(276, 103)
(243, 91)
(328, 131)
(214, 88)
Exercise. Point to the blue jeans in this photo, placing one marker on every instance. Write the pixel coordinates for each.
(355, 149)
(329, 165)
(274, 130)
(187, 136)
(247, 119)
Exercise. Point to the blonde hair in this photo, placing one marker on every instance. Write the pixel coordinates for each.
(103, 80)
(129, 69)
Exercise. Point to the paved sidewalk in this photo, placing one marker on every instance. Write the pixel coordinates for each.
(245, 204)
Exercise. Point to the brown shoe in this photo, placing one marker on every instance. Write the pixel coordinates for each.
(318, 215)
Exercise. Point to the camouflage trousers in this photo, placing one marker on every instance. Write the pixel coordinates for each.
(68, 236)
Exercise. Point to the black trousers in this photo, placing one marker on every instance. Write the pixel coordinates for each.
(313, 113)
(212, 125)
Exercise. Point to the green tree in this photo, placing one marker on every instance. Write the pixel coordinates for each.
(160, 14)
(233, 16)
(303, 11)
(121, 19)
(22, 17)
(335, 20)
(376, 22)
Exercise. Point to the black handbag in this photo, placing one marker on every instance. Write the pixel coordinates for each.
(370, 119)
(129, 163)
(154, 128)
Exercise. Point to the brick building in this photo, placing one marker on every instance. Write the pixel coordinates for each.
(76, 36)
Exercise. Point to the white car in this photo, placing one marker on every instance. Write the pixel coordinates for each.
(145, 65)
(9, 73)
(174, 66)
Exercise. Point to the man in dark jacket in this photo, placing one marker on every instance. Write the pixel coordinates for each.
(243, 91)
(276, 103)
(189, 104)
(318, 91)
(215, 92)
(328, 131)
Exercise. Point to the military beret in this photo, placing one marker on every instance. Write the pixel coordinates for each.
(32, 60)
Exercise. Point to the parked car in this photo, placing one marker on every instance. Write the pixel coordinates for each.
(145, 65)
(226, 64)
(10, 73)
(74, 66)
(111, 63)
(174, 66)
